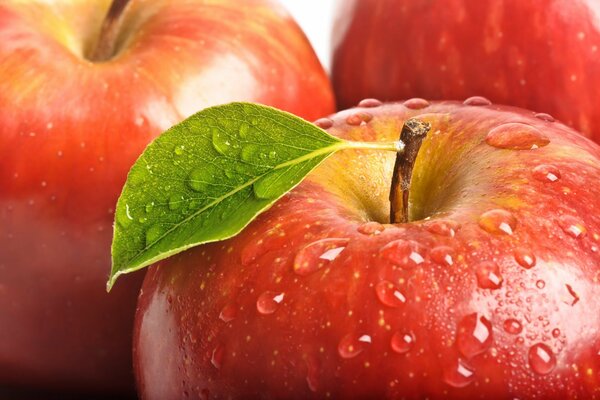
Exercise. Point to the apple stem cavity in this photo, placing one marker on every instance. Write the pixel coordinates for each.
(412, 135)
(104, 49)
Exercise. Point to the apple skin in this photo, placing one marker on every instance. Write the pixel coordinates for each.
(69, 131)
(542, 55)
(235, 320)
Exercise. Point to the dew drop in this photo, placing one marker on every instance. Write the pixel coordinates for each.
(540, 284)
(196, 180)
(416, 103)
(217, 356)
(228, 313)
(555, 333)
(153, 234)
(541, 359)
(572, 226)
(524, 257)
(443, 255)
(316, 255)
(443, 227)
(474, 335)
(175, 201)
(546, 173)
(512, 326)
(179, 150)
(458, 374)
(488, 275)
(250, 152)
(243, 130)
(389, 295)
(358, 118)
(268, 302)
(516, 136)
(369, 103)
(498, 222)
(324, 123)
(402, 342)
(407, 254)
(220, 141)
(545, 117)
(371, 228)
(477, 101)
(352, 345)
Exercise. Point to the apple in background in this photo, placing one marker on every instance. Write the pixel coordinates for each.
(543, 55)
(489, 291)
(72, 122)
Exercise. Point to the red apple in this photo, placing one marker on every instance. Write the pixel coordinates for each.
(489, 291)
(70, 128)
(542, 55)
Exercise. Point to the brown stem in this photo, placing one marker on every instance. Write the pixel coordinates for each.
(412, 135)
(107, 40)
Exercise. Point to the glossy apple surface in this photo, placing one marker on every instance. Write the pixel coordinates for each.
(490, 291)
(543, 55)
(70, 130)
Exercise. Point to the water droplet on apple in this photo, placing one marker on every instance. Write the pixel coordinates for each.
(369, 103)
(371, 228)
(443, 255)
(228, 313)
(316, 255)
(358, 118)
(572, 226)
(352, 345)
(513, 326)
(516, 136)
(402, 342)
(524, 257)
(555, 333)
(217, 356)
(498, 221)
(324, 123)
(416, 103)
(268, 302)
(243, 130)
(389, 295)
(541, 359)
(546, 173)
(474, 335)
(488, 275)
(220, 141)
(458, 374)
(153, 234)
(477, 101)
(443, 227)
(540, 284)
(407, 254)
(196, 180)
(545, 117)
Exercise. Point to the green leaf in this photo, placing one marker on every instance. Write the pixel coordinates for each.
(206, 178)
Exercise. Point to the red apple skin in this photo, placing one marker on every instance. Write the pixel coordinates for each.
(543, 55)
(69, 131)
(200, 332)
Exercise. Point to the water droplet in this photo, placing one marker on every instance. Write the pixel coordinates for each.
(572, 298)
(402, 342)
(443, 255)
(268, 302)
(149, 207)
(243, 131)
(416, 103)
(217, 356)
(477, 101)
(371, 228)
(572, 226)
(541, 359)
(389, 295)
(555, 333)
(546, 173)
(524, 257)
(488, 275)
(324, 123)
(220, 141)
(358, 118)
(316, 255)
(272, 154)
(407, 254)
(498, 222)
(545, 117)
(540, 284)
(458, 374)
(513, 326)
(443, 227)
(228, 313)
(175, 201)
(250, 152)
(352, 345)
(516, 136)
(179, 150)
(474, 335)
(197, 180)
(369, 103)
(153, 234)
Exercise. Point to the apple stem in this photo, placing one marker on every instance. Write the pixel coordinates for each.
(412, 135)
(107, 40)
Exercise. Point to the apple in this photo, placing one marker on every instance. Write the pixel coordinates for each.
(488, 291)
(542, 55)
(75, 113)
